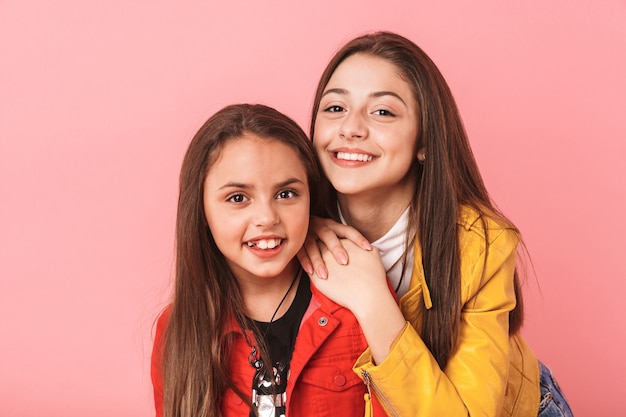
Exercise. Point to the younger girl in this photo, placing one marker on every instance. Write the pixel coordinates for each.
(245, 334)
(391, 141)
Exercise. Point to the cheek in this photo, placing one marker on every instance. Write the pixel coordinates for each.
(403, 143)
(221, 227)
(319, 152)
(209, 217)
(316, 139)
(300, 223)
(321, 142)
(322, 135)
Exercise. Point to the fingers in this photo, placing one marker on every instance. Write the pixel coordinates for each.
(305, 261)
(322, 227)
(310, 258)
(330, 232)
(330, 239)
(350, 233)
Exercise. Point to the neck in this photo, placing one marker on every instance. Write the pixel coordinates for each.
(262, 297)
(374, 214)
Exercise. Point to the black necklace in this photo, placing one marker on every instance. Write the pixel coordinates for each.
(255, 361)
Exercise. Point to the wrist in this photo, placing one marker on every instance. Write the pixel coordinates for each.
(382, 322)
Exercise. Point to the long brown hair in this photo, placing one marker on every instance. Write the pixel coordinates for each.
(448, 179)
(206, 294)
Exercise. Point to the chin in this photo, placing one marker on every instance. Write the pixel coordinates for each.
(270, 272)
(349, 189)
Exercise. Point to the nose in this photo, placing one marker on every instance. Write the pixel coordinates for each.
(266, 214)
(353, 127)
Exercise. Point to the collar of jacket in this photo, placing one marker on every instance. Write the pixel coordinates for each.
(318, 300)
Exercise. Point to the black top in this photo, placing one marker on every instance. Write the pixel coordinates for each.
(280, 339)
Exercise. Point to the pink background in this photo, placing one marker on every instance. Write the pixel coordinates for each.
(98, 100)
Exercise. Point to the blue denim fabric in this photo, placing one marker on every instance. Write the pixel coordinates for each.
(553, 402)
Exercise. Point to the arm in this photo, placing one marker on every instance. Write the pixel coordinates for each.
(410, 382)
(362, 287)
(156, 363)
(329, 233)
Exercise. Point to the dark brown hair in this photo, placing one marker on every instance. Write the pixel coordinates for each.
(206, 294)
(449, 178)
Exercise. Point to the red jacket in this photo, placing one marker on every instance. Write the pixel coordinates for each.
(321, 382)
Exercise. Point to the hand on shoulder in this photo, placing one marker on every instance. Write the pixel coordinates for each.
(331, 234)
(357, 283)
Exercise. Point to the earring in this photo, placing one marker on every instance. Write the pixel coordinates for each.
(421, 158)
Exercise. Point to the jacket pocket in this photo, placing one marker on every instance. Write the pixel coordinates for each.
(331, 391)
(331, 378)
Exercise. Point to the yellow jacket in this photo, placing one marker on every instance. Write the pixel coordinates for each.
(491, 374)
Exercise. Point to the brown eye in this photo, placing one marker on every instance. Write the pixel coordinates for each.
(236, 198)
(384, 112)
(287, 194)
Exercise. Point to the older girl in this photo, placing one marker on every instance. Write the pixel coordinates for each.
(391, 142)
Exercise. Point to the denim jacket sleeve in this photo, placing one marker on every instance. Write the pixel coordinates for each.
(409, 382)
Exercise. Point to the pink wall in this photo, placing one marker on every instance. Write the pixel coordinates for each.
(98, 101)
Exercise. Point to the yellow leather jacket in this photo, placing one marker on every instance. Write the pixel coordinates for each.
(491, 374)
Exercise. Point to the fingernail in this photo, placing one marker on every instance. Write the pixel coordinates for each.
(322, 272)
(342, 258)
(366, 245)
(308, 268)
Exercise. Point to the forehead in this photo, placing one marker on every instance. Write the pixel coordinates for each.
(370, 71)
(250, 154)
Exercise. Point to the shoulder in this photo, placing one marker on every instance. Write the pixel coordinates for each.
(488, 248)
(482, 228)
(163, 319)
(157, 355)
(161, 326)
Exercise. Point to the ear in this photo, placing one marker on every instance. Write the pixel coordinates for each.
(421, 155)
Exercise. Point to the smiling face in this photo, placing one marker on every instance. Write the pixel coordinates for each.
(366, 129)
(256, 199)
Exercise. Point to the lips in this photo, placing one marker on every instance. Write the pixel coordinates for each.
(264, 244)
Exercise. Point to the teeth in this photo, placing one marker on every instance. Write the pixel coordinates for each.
(265, 243)
(354, 156)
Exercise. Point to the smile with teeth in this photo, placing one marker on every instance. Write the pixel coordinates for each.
(265, 243)
(354, 156)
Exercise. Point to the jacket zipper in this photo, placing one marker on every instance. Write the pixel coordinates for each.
(379, 395)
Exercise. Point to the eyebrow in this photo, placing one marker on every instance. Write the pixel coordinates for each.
(288, 181)
(343, 91)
